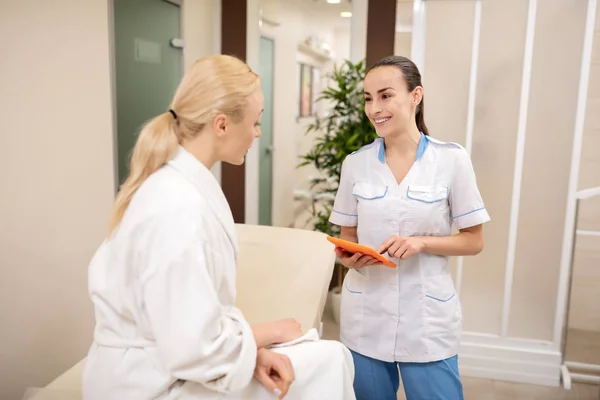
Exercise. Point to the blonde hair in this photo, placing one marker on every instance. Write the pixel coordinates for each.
(214, 85)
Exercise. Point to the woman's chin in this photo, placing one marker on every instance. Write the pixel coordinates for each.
(381, 132)
(239, 160)
(236, 159)
(384, 131)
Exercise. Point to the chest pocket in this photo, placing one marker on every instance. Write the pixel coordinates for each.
(427, 194)
(367, 191)
(427, 208)
(372, 199)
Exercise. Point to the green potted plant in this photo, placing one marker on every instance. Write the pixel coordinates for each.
(342, 131)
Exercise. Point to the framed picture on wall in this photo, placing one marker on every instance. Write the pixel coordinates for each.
(306, 90)
(315, 89)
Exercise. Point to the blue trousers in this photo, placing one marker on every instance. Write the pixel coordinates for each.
(379, 380)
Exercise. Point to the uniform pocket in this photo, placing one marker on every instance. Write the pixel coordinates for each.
(427, 194)
(354, 282)
(442, 307)
(368, 191)
(428, 208)
(351, 315)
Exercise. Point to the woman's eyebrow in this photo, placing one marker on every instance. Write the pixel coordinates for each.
(381, 90)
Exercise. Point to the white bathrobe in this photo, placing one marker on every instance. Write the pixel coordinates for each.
(163, 287)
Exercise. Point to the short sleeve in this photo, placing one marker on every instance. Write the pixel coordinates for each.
(466, 205)
(344, 208)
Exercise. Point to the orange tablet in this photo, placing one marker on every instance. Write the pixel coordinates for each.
(354, 248)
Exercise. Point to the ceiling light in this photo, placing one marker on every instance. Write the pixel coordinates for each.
(346, 14)
(333, 1)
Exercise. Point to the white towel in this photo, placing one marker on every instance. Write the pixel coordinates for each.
(312, 335)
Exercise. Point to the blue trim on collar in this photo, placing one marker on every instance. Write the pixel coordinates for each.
(423, 142)
(381, 155)
(422, 146)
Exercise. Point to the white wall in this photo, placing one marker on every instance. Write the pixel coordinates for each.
(57, 177)
(296, 23)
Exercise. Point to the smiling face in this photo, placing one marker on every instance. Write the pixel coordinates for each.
(237, 138)
(389, 104)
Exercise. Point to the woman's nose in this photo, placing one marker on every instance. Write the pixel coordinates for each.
(375, 107)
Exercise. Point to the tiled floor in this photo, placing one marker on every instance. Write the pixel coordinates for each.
(484, 389)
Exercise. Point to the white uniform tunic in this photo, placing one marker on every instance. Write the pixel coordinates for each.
(163, 288)
(410, 313)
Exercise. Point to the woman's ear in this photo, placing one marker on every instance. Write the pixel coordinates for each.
(220, 125)
(417, 95)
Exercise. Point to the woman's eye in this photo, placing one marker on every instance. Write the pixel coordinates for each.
(367, 100)
(385, 96)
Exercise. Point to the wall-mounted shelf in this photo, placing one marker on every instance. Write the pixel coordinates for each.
(318, 54)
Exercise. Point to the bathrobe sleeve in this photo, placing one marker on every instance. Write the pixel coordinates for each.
(198, 339)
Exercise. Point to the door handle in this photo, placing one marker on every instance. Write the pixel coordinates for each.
(269, 149)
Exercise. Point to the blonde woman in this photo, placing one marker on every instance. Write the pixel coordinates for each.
(163, 283)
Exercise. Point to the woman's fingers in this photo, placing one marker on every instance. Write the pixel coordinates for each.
(393, 250)
(284, 369)
(267, 381)
(400, 252)
(365, 261)
(386, 245)
(373, 261)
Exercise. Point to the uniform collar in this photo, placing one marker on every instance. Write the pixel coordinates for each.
(423, 142)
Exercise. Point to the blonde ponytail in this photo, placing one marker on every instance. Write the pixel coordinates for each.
(155, 146)
(214, 85)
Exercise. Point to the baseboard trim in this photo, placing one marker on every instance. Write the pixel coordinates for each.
(508, 376)
(510, 363)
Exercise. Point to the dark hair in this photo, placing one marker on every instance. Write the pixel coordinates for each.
(412, 76)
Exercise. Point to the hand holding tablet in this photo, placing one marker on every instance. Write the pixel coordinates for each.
(354, 248)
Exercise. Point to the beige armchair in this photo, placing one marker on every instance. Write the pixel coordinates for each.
(282, 273)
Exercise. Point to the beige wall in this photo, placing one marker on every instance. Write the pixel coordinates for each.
(57, 179)
(402, 44)
(589, 213)
(495, 125)
(550, 123)
(546, 173)
(58, 174)
(200, 24)
(585, 307)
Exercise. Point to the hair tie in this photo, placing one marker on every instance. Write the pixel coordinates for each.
(173, 113)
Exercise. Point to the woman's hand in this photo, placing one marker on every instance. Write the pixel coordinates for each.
(276, 332)
(402, 247)
(274, 371)
(356, 261)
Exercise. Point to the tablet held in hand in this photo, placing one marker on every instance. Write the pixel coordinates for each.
(354, 248)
